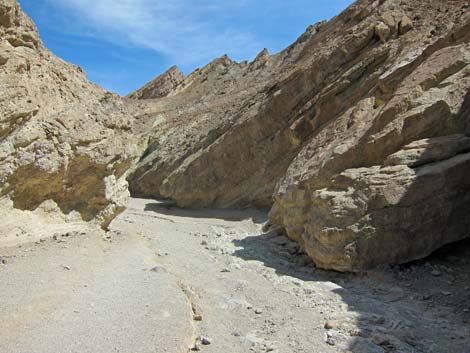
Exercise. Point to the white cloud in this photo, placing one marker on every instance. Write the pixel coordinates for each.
(184, 31)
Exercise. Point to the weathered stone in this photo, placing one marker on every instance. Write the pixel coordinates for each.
(405, 25)
(362, 145)
(382, 31)
(162, 86)
(429, 150)
(61, 137)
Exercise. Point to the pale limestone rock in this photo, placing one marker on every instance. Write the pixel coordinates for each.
(61, 137)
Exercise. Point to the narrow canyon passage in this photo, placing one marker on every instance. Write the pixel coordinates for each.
(165, 277)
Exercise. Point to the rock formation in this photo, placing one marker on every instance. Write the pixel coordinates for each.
(359, 130)
(62, 139)
(386, 180)
(357, 136)
(160, 87)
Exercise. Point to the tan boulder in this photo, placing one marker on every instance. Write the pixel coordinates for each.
(393, 188)
(405, 25)
(382, 31)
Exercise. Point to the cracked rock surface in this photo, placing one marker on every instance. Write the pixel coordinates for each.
(62, 138)
(355, 135)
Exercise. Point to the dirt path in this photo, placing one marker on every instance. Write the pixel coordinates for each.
(86, 295)
(169, 276)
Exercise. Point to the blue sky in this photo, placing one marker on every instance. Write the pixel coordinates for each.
(122, 44)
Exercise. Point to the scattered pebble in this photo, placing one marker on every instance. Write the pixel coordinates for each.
(331, 338)
(159, 269)
(66, 267)
(436, 273)
(395, 294)
(205, 340)
(258, 311)
(196, 348)
(332, 324)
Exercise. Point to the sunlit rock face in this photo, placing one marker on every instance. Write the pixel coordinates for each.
(356, 135)
(386, 179)
(62, 138)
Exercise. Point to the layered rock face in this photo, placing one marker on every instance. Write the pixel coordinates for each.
(199, 136)
(386, 180)
(162, 86)
(62, 139)
(357, 135)
(359, 130)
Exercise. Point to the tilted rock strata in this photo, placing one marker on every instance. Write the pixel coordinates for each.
(387, 181)
(162, 86)
(208, 103)
(360, 130)
(345, 127)
(61, 137)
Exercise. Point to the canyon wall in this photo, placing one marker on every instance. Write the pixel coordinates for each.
(62, 138)
(356, 135)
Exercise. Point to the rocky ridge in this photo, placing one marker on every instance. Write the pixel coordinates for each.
(162, 86)
(356, 135)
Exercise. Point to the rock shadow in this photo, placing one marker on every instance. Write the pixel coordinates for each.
(393, 309)
(169, 208)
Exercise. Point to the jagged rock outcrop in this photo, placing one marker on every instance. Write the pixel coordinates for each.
(209, 103)
(62, 139)
(359, 130)
(162, 86)
(222, 118)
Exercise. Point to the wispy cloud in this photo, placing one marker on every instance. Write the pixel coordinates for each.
(184, 31)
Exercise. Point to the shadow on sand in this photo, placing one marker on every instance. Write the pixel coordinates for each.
(169, 208)
(396, 309)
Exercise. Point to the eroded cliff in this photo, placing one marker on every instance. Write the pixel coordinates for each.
(62, 139)
(356, 135)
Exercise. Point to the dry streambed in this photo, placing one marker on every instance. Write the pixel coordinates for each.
(172, 280)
